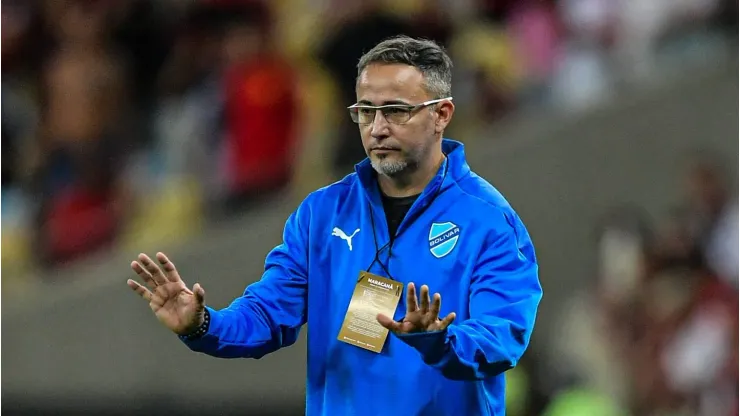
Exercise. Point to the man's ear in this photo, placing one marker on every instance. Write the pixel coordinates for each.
(445, 110)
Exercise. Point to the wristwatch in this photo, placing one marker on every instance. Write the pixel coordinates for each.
(201, 330)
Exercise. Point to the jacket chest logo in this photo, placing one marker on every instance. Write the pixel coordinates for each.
(443, 238)
(337, 232)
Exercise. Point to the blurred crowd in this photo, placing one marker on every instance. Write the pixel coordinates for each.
(656, 334)
(126, 119)
(137, 121)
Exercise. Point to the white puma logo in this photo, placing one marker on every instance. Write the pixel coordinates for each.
(339, 233)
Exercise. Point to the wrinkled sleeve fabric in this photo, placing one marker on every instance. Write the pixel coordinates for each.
(505, 293)
(271, 312)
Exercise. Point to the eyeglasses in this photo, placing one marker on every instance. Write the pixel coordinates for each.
(393, 113)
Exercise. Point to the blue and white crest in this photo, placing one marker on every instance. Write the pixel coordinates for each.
(443, 238)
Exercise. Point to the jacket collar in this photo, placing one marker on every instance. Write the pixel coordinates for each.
(453, 168)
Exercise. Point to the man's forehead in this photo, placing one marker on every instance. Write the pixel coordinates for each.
(380, 83)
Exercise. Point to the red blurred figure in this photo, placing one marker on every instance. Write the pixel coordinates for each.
(261, 107)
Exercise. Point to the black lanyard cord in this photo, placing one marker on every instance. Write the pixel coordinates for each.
(389, 244)
(378, 250)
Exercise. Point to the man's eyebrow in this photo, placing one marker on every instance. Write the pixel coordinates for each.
(388, 102)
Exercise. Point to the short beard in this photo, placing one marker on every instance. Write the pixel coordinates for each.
(390, 168)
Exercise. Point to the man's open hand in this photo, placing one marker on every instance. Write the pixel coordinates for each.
(177, 307)
(419, 318)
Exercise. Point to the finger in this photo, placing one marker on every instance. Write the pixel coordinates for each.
(153, 269)
(411, 304)
(388, 323)
(436, 306)
(141, 290)
(424, 299)
(170, 271)
(200, 295)
(447, 321)
(143, 274)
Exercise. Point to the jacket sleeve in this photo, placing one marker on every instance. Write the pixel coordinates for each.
(270, 313)
(504, 296)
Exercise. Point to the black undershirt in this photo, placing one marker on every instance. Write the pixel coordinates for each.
(396, 209)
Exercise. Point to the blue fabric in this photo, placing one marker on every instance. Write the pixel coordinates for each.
(489, 278)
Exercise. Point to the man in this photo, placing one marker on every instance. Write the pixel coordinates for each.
(412, 213)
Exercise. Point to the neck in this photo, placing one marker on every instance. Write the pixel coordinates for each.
(411, 183)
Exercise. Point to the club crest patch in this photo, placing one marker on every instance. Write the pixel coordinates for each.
(443, 238)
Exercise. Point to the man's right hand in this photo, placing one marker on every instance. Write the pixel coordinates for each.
(177, 307)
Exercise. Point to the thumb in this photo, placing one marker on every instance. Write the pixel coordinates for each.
(447, 321)
(388, 323)
(200, 295)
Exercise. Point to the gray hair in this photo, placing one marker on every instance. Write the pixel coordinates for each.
(426, 55)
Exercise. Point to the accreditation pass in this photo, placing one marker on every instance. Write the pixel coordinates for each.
(373, 295)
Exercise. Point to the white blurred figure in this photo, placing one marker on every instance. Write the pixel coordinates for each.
(583, 77)
(642, 24)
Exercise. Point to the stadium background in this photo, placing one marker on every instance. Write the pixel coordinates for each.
(195, 127)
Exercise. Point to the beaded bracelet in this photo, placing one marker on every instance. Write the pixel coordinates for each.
(202, 329)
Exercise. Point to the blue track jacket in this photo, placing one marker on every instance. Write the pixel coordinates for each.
(461, 238)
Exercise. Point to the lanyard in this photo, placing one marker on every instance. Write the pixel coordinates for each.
(389, 244)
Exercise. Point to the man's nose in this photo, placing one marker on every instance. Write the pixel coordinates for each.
(380, 125)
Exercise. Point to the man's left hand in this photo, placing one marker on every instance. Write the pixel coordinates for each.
(419, 318)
